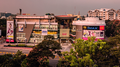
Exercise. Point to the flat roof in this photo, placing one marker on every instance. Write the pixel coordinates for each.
(90, 21)
(65, 17)
(32, 17)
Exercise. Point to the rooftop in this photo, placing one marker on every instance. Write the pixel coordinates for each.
(90, 21)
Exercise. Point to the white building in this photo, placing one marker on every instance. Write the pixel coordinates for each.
(91, 26)
(103, 13)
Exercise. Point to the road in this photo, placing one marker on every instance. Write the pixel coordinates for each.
(12, 50)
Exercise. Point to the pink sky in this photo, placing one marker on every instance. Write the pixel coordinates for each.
(58, 7)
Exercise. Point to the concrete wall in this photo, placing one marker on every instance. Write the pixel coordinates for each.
(27, 31)
(78, 31)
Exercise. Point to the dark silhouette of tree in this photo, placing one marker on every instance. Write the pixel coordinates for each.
(43, 51)
(9, 60)
(112, 28)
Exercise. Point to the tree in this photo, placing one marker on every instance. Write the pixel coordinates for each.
(24, 63)
(80, 54)
(42, 52)
(9, 60)
(112, 28)
(110, 53)
(3, 26)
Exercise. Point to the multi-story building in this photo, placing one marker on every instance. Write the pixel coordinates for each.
(103, 13)
(89, 27)
(118, 14)
(30, 28)
(78, 17)
(33, 28)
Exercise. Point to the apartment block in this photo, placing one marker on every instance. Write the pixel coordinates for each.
(118, 14)
(103, 13)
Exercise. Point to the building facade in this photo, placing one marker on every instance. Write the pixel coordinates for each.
(33, 28)
(89, 27)
(118, 14)
(103, 14)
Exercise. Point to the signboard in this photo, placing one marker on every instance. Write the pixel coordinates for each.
(10, 31)
(36, 27)
(0, 32)
(64, 32)
(93, 27)
(20, 28)
(44, 31)
(97, 33)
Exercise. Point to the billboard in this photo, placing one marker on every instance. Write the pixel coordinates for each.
(44, 31)
(10, 31)
(20, 28)
(64, 32)
(99, 34)
(93, 27)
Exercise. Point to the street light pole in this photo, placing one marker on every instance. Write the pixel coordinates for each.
(34, 42)
(25, 41)
(17, 41)
(9, 40)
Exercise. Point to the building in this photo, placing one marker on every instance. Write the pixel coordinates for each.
(25, 28)
(91, 26)
(78, 17)
(103, 14)
(118, 14)
(64, 27)
(31, 28)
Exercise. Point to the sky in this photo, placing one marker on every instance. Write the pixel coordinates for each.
(58, 7)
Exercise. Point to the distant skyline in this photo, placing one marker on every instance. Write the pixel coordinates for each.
(58, 7)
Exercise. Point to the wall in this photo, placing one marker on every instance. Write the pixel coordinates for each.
(78, 31)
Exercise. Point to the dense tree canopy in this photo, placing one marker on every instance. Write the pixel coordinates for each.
(80, 56)
(42, 52)
(9, 60)
(104, 53)
(112, 28)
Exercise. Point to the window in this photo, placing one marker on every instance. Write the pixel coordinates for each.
(101, 34)
(21, 37)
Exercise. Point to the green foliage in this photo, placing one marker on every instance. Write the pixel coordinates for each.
(42, 52)
(13, 45)
(112, 28)
(80, 55)
(29, 46)
(48, 37)
(110, 53)
(24, 63)
(21, 45)
(3, 26)
(9, 60)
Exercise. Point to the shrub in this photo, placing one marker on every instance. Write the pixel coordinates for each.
(13, 45)
(29, 46)
(21, 45)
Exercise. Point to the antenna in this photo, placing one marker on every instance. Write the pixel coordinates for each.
(74, 10)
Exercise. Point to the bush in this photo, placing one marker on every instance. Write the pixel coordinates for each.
(13, 45)
(29, 46)
(21, 45)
